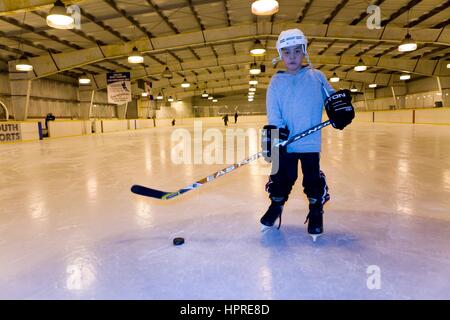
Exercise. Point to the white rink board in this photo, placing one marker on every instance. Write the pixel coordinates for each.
(57, 129)
(144, 123)
(364, 116)
(398, 116)
(29, 131)
(114, 125)
(438, 116)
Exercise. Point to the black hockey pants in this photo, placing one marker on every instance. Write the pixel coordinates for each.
(314, 184)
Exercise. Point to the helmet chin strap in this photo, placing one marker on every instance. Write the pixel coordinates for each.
(275, 61)
(308, 60)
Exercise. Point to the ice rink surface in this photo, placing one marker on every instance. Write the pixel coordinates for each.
(71, 229)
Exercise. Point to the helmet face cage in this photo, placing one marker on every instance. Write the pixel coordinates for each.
(280, 52)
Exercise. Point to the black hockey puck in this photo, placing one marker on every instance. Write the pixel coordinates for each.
(178, 241)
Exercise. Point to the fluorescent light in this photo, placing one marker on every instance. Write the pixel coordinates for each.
(135, 57)
(210, 98)
(170, 99)
(215, 100)
(265, 7)
(405, 77)
(353, 89)
(58, 18)
(144, 94)
(251, 93)
(204, 94)
(159, 96)
(372, 85)
(448, 65)
(252, 89)
(253, 82)
(408, 44)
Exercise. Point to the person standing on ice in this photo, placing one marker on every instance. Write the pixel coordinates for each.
(294, 102)
(225, 119)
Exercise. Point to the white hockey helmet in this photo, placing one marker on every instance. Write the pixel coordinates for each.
(291, 37)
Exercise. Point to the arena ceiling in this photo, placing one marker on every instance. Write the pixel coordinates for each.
(208, 41)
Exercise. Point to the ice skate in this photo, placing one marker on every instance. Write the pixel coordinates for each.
(315, 221)
(271, 216)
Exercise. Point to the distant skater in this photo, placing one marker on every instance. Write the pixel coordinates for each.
(225, 119)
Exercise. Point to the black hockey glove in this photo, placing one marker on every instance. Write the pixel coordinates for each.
(339, 109)
(270, 136)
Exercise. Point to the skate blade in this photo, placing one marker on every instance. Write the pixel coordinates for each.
(265, 228)
(315, 236)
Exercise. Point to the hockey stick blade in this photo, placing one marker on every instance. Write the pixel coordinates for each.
(148, 192)
(162, 195)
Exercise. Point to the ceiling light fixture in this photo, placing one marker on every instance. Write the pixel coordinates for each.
(167, 74)
(360, 66)
(58, 18)
(84, 80)
(334, 78)
(265, 7)
(257, 49)
(408, 44)
(405, 77)
(185, 84)
(255, 69)
(253, 82)
(23, 65)
(135, 56)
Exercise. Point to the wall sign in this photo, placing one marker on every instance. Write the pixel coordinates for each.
(10, 132)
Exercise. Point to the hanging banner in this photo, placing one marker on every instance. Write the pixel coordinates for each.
(119, 87)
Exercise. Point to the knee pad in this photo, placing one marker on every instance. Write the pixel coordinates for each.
(324, 196)
(270, 188)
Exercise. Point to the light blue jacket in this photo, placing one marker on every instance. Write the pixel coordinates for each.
(296, 101)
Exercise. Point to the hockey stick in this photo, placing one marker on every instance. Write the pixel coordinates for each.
(163, 195)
